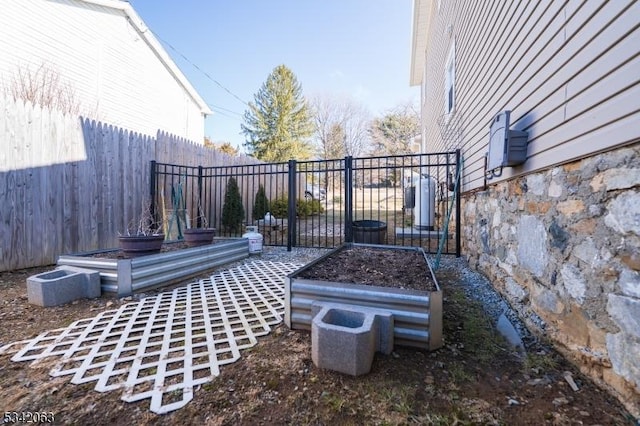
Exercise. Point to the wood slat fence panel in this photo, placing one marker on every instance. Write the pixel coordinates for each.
(70, 184)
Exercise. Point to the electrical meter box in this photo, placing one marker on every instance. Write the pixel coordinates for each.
(507, 148)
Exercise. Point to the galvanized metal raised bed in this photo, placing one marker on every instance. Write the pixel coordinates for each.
(126, 276)
(417, 314)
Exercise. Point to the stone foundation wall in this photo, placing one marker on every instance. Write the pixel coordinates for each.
(563, 246)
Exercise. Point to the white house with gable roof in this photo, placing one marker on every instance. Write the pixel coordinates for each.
(106, 58)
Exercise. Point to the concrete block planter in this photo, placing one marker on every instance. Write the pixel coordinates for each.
(345, 338)
(417, 314)
(62, 285)
(126, 276)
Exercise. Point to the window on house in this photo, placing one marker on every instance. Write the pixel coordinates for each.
(450, 81)
(424, 84)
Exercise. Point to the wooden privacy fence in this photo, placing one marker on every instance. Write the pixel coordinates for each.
(70, 185)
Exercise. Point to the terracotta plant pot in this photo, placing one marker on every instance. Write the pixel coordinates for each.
(141, 245)
(195, 237)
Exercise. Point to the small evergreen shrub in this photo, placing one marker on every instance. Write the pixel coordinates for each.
(304, 207)
(280, 207)
(261, 204)
(232, 209)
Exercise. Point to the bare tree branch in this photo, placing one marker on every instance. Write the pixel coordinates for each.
(341, 126)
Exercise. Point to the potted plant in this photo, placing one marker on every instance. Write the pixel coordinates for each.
(201, 234)
(143, 236)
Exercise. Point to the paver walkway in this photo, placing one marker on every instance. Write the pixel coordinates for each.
(162, 347)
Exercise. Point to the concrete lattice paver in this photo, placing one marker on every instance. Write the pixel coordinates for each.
(162, 347)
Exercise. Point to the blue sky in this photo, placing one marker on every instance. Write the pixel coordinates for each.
(354, 48)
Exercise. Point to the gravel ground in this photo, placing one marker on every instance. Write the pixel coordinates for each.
(296, 255)
(478, 287)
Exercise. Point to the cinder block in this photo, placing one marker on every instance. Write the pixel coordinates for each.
(92, 287)
(384, 321)
(344, 338)
(62, 285)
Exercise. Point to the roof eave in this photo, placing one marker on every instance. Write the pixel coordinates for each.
(157, 48)
(421, 21)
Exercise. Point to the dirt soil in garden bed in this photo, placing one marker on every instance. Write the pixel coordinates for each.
(374, 266)
(166, 248)
(476, 378)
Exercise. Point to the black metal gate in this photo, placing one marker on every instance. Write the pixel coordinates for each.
(409, 200)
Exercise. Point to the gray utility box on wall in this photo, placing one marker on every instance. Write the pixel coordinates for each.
(507, 148)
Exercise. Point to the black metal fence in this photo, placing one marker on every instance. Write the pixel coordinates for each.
(407, 200)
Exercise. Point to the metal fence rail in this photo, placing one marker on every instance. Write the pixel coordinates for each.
(317, 203)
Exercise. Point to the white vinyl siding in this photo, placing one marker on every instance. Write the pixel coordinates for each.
(115, 74)
(568, 71)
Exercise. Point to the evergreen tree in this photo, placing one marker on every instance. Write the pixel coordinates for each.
(278, 124)
(232, 210)
(261, 204)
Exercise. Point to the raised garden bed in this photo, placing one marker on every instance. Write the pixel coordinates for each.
(125, 276)
(396, 279)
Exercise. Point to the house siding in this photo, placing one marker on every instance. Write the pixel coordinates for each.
(114, 73)
(558, 236)
(568, 71)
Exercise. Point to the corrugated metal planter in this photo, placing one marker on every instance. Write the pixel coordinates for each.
(126, 276)
(417, 314)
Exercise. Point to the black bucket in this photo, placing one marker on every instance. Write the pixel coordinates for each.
(369, 232)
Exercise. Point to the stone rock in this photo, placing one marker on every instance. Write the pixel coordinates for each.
(631, 259)
(595, 210)
(569, 378)
(629, 283)
(574, 282)
(484, 237)
(515, 290)
(559, 237)
(613, 179)
(572, 167)
(538, 207)
(585, 226)
(536, 184)
(587, 252)
(555, 190)
(570, 207)
(506, 267)
(560, 401)
(624, 352)
(573, 327)
(624, 213)
(547, 300)
(496, 219)
(532, 245)
(539, 381)
(625, 311)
